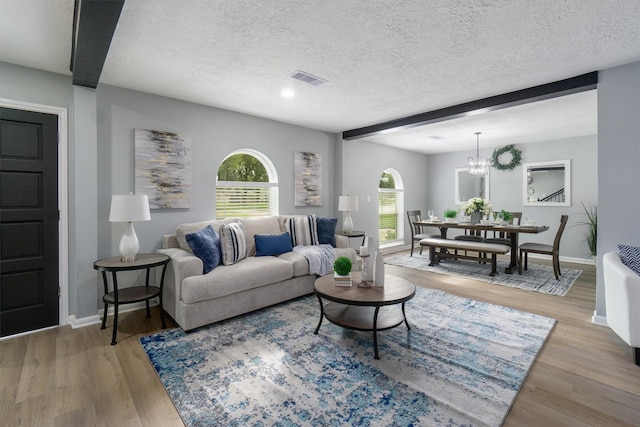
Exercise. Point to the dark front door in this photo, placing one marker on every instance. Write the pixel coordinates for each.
(28, 221)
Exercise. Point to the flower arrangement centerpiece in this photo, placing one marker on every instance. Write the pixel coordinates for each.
(477, 207)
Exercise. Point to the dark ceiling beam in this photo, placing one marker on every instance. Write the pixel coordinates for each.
(94, 22)
(576, 84)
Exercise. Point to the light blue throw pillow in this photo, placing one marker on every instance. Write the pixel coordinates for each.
(270, 244)
(205, 244)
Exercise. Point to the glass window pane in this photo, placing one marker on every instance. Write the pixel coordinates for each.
(243, 188)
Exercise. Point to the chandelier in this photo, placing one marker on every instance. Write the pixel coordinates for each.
(477, 165)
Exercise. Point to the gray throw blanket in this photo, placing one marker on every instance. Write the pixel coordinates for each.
(320, 257)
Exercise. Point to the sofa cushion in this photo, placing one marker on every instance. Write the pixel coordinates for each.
(251, 272)
(183, 229)
(303, 230)
(205, 244)
(232, 243)
(258, 225)
(630, 256)
(273, 244)
(300, 263)
(327, 230)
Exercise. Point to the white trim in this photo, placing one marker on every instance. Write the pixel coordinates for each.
(63, 197)
(249, 184)
(597, 319)
(97, 318)
(84, 321)
(586, 261)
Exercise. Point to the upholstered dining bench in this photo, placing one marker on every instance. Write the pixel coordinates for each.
(482, 248)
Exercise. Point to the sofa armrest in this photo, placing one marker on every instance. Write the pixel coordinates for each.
(342, 241)
(622, 298)
(170, 241)
(182, 265)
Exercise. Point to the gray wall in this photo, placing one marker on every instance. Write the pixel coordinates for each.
(363, 164)
(214, 134)
(505, 190)
(103, 164)
(39, 87)
(618, 163)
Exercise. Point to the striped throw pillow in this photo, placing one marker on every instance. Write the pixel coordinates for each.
(232, 243)
(303, 230)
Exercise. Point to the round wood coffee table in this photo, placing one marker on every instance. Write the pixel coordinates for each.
(364, 309)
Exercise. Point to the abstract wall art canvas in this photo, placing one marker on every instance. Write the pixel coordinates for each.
(308, 179)
(163, 168)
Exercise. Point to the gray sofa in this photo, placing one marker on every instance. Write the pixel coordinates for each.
(195, 299)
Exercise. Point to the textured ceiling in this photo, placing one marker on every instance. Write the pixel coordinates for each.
(383, 59)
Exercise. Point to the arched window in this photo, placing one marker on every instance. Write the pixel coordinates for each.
(390, 207)
(247, 185)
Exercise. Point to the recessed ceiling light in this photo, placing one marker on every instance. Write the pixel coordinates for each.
(287, 93)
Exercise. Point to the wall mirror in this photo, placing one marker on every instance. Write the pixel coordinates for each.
(547, 183)
(468, 186)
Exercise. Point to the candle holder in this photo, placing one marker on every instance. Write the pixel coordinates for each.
(367, 276)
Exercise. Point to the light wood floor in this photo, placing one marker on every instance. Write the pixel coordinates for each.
(584, 375)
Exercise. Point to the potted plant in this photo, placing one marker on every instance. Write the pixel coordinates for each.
(450, 215)
(591, 236)
(342, 271)
(503, 216)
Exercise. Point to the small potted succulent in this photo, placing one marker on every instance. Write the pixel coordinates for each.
(342, 271)
(502, 217)
(450, 215)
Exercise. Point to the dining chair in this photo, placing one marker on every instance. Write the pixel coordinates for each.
(540, 248)
(416, 230)
(469, 236)
(502, 237)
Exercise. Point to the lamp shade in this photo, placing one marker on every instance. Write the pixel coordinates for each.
(354, 204)
(348, 203)
(129, 208)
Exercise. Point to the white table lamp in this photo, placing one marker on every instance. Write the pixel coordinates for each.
(347, 204)
(129, 208)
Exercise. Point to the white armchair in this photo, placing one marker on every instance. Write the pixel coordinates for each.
(622, 299)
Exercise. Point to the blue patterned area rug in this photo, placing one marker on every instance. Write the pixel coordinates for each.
(462, 363)
(538, 278)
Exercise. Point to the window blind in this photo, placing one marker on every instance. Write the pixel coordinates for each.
(244, 199)
(388, 214)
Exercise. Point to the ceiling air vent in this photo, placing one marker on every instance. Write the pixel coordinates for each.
(308, 78)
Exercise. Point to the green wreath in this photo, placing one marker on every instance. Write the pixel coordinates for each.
(516, 157)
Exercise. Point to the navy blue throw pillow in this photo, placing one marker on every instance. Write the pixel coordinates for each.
(205, 244)
(273, 244)
(327, 230)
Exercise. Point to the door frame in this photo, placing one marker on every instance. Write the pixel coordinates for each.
(63, 197)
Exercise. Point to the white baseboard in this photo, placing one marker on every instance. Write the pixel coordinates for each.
(597, 319)
(83, 321)
(402, 247)
(97, 318)
(397, 247)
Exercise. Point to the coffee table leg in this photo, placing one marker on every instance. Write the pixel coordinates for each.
(375, 332)
(321, 314)
(405, 318)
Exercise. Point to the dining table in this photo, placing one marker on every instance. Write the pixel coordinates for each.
(513, 231)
